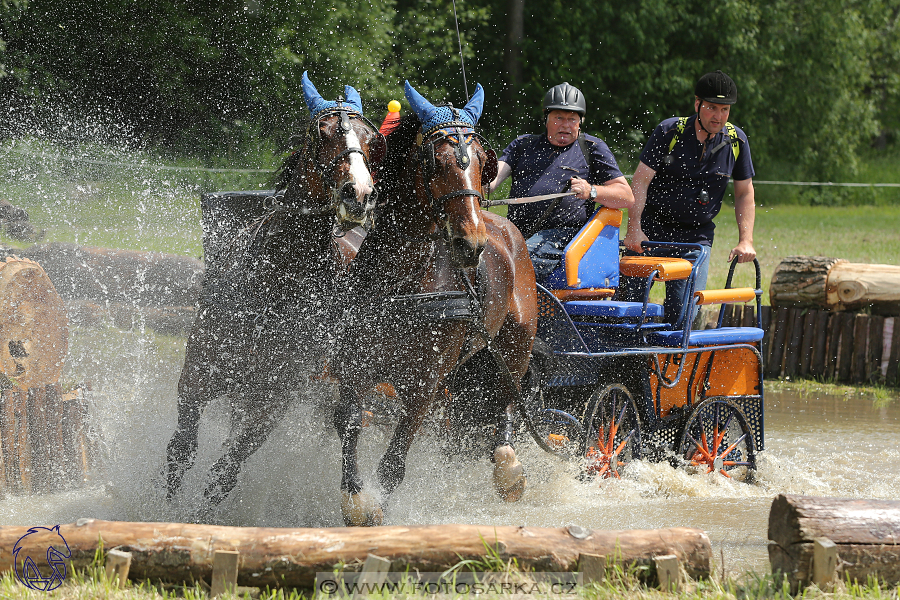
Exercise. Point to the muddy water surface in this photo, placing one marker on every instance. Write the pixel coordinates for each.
(816, 444)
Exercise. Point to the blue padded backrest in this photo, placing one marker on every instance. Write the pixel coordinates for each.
(598, 268)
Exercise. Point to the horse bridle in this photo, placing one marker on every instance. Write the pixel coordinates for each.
(460, 136)
(326, 171)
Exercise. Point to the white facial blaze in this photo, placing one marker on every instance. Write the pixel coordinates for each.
(359, 174)
(476, 207)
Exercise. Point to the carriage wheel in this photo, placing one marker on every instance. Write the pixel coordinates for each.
(613, 431)
(717, 438)
(555, 431)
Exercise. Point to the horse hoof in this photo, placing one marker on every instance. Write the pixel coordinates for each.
(509, 474)
(360, 510)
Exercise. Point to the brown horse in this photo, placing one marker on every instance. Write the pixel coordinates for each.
(265, 318)
(438, 285)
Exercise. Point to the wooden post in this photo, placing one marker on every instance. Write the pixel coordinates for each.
(729, 315)
(668, 572)
(825, 562)
(875, 348)
(819, 361)
(777, 351)
(374, 572)
(749, 318)
(224, 572)
(845, 360)
(592, 567)
(833, 348)
(893, 370)
(765, 321)
(118, 564)
(792, 348)
(807, 345)
(860, 340)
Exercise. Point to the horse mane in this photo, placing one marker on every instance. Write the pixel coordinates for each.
(281, 178)
(392, 177)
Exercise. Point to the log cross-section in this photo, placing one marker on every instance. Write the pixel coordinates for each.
(291, 557)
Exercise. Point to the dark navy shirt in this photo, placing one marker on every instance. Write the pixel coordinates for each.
(539, 167)
(676, 210)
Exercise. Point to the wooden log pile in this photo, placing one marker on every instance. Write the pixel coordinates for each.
(814, 329)
(175, 552)
(821, 540)
(123, 288)
(43, 446)
(803, 343)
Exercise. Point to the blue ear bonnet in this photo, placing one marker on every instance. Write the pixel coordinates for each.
(317, 104)
(434, 117)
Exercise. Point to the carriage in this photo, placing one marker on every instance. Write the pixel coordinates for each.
(440, 284)
(611, 382)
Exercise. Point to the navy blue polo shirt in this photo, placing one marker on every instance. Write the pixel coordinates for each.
(676, 211)
(539, 167)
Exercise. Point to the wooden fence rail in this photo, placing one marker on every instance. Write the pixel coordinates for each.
(804, 343)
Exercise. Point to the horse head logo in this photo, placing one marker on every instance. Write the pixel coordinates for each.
(51, 572)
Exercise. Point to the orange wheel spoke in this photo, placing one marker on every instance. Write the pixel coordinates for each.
(722, 471)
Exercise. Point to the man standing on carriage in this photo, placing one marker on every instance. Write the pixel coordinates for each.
(560, 160)
(679, 185)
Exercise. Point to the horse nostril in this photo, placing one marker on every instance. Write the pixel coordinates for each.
(465, 253)
(348, 192)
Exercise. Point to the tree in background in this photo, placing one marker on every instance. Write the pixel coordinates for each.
(817, 80)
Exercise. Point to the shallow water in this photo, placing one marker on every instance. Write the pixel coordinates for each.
(815, 444)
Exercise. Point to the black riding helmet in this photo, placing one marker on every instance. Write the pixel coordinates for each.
(716, 87)
(564, 97)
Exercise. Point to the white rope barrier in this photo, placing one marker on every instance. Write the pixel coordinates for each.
(211, 170)
(106, 163)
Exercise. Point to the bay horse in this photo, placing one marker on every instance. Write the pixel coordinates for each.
(266, 311)
(438, 286)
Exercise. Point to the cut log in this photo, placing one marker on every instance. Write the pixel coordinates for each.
(835, 284)
(34, 329)
(108, 275)
(801, 281)
(291, 557)
(866, 533)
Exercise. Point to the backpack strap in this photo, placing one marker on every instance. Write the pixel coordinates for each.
(733, 136)
(730, 130)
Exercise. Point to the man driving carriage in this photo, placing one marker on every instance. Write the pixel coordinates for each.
(562, 159)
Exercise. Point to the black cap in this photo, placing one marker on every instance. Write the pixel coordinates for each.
(716, 87)
(565, 97)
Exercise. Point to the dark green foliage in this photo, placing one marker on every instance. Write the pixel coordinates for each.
(818, 80)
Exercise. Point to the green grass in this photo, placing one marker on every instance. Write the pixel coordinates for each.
(617, 585)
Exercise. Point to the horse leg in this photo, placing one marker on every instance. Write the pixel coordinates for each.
(182, 448)
(509, 474)
(358, 508)
(392, 466)
(263, 411)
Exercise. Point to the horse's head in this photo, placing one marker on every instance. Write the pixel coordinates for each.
(333, 174)
(452, 166)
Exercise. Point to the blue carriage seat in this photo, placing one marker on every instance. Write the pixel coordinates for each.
(711, 337)
(589, 274)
